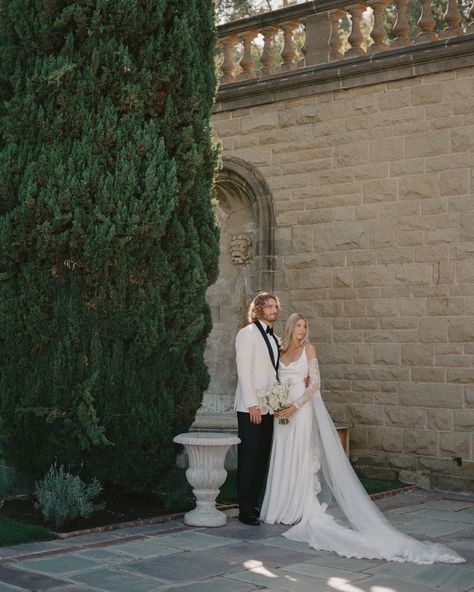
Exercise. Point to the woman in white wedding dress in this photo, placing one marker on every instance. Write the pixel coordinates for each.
(311, 483)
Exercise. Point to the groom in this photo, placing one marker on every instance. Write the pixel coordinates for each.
(257, 356)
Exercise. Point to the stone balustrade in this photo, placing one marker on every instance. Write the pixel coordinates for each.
(324, 31)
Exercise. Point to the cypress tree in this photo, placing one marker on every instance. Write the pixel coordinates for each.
(107, 234)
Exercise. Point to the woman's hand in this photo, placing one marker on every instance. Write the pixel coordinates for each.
(287, 412)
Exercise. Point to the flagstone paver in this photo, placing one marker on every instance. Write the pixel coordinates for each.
(171, 557)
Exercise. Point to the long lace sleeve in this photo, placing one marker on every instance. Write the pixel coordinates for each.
(314, 383)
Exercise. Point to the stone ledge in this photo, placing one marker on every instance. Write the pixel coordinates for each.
(396, 64)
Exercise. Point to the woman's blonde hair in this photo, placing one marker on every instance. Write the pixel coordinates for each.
(257, 305)
(289, 329)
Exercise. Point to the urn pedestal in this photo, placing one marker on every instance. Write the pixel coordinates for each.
(206, 473)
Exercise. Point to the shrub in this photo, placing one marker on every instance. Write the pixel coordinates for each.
(61, 497)
(107, 233)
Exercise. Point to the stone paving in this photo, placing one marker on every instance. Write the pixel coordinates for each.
(237, 558)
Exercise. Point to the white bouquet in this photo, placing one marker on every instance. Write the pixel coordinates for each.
(276, 398)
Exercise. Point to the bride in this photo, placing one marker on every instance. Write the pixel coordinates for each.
(311, 483)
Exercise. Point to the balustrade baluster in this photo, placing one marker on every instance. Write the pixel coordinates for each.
(288, 52)
(402, 26)
(378, 33)
(334, 42)
(355, 38)
(228, 66)
(453, 19)
(247, 63)
(267, 55)
(426, 23)
(471, 18)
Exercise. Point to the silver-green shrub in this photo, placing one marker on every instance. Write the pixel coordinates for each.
(61, 496)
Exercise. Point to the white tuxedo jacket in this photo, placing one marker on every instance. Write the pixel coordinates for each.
(255, 370)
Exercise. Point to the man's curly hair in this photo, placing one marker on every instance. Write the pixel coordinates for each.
(256, 306)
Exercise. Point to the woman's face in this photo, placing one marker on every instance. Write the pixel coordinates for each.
(300, 329)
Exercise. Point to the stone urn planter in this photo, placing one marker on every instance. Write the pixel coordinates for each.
(206, 474)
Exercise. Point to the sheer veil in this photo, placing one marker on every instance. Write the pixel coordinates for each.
(347, 521)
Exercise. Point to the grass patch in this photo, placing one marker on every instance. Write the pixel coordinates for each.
(177, 494)
(378, 485)
(14, 533)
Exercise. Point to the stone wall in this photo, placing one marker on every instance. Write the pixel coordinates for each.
(373, 192)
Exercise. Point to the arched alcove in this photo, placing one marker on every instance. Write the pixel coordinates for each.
(246, 267)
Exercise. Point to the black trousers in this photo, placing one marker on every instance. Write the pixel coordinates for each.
(253, 454)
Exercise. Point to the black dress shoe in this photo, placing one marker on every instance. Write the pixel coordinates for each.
(251, 520)
(256, 511)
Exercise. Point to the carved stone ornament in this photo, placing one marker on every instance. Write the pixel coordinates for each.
(241, 249)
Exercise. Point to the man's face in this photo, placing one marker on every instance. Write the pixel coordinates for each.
(270, 311)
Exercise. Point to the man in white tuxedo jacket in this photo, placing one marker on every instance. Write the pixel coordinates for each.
(257, 356)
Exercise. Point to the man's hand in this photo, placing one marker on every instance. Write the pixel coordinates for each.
(255, 414)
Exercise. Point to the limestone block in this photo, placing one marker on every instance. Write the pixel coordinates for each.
(351, 336)
(339, 353)
(437, 205)
(365, 414)
(394, 118)
(316, 278)
(286, 118)
(411, 166)
(462, 139)
(413, 274)
(403, 461)
(395, 254)
(467, 270)
(413, 307)
(383, 307)
(469, 396)
(386, 149)
(454, 182)
(245, 141)
(359, 437)
(386, 439)
(372, 171)
(363, 354)
(341, 236)
(383, 233)
(364, 323)
(259, 122)
(457, 90)
(439, 419)
(432, 253)
(366, 387)
(354, 308)
(445, 306)
(427, 94)
(420, 442)
(455, 444)
(411, 237)
(464, 420)
(400, 323)
(260, 157)
(375, 275)
(448, 396)
(461, 375)
(227, 127)
(442, 235)
(303, 239)
(434, 330)
(428, 374)
(342, 277)
(419, 186)
(387, 353)
(430, 144)
(461, 330)
(405, 417)
(394, 99)
(362, 257)
(417, 354)
(329, 309)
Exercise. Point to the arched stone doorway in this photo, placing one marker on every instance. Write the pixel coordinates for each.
(246, 267)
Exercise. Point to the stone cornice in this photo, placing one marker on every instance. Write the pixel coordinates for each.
(396, 64)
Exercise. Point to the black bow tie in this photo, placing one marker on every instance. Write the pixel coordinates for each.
(269, 330)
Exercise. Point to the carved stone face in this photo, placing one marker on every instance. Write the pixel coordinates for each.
(241, 249)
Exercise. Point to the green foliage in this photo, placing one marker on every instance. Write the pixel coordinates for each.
(13, 532)
(107, 235)
(61, 497)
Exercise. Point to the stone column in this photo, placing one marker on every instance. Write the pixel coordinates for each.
(317, 33)
(228, 66)
(355, 38)
(402, 26)
(378, 32)
(453, 19)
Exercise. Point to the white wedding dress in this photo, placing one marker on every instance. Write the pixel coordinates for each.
(312, 485)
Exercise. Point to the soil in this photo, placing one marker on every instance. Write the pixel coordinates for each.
(118, 508)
